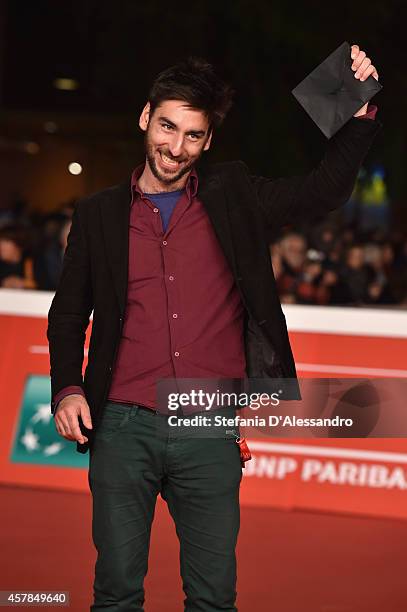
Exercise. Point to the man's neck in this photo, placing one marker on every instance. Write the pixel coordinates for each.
(149, 183)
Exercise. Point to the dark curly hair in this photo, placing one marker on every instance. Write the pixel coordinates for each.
(195, 82)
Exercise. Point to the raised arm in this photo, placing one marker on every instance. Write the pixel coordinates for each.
(331, 183)
(326, 187)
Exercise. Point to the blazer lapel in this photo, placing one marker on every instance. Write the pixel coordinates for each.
(115, 212)
(241, 235)
(212, 196)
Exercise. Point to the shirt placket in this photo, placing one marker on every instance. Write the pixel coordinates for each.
(156, 220)
(174, 307)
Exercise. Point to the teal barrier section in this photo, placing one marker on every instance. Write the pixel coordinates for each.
(36, 440)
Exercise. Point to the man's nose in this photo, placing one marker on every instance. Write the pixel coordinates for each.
(175, 145)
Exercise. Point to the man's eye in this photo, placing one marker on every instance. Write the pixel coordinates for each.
(166, 126)
(194, 136)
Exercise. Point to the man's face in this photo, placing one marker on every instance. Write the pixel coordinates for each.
(294, 249)
(9, 250)
(175, 137)
(355, 259)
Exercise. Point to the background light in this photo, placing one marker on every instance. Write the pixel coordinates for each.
(65, 84)
(31, 147)
(75, 168)
(51, 127)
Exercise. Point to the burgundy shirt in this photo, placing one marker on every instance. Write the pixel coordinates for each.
(184, 316)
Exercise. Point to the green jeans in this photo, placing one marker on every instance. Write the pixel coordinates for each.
(131, 461)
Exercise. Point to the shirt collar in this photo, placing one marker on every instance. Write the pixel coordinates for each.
(191, 186)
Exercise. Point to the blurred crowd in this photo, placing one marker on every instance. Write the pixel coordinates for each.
(32, 246)
(326, 264)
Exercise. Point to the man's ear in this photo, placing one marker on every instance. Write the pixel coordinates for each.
(145, 117)
(208, 142)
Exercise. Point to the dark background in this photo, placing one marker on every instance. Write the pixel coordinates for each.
(264, 48)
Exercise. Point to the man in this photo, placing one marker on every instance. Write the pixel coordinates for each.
(175, 265)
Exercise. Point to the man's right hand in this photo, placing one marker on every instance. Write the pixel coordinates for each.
(66, 417)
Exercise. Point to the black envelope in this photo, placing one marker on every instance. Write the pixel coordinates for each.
(331, 95)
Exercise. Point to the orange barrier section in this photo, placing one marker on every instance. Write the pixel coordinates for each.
(360, 476)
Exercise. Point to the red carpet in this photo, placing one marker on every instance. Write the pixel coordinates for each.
(288, 562)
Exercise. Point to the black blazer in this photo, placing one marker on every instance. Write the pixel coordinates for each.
(243, 210)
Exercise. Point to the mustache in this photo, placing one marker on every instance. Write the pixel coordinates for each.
(171, 157)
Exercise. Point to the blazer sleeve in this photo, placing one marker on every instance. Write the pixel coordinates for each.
(326, 187)
(71, 307)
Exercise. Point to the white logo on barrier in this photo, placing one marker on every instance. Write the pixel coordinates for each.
(342, 473)
(42, 414)
(30, 439)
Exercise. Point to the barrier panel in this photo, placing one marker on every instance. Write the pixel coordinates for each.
(353, 475)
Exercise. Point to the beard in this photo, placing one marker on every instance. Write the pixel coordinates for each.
(171, 177)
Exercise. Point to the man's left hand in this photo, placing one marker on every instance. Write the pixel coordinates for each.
(363, 68)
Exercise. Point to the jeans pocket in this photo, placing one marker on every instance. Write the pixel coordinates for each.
(112, 422)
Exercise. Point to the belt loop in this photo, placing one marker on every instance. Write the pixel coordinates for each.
(134, 409)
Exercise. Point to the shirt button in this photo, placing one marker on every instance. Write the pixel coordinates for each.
(165, 242)
(155, 210)
(171, 278)
(176, 354)
(175, 316)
